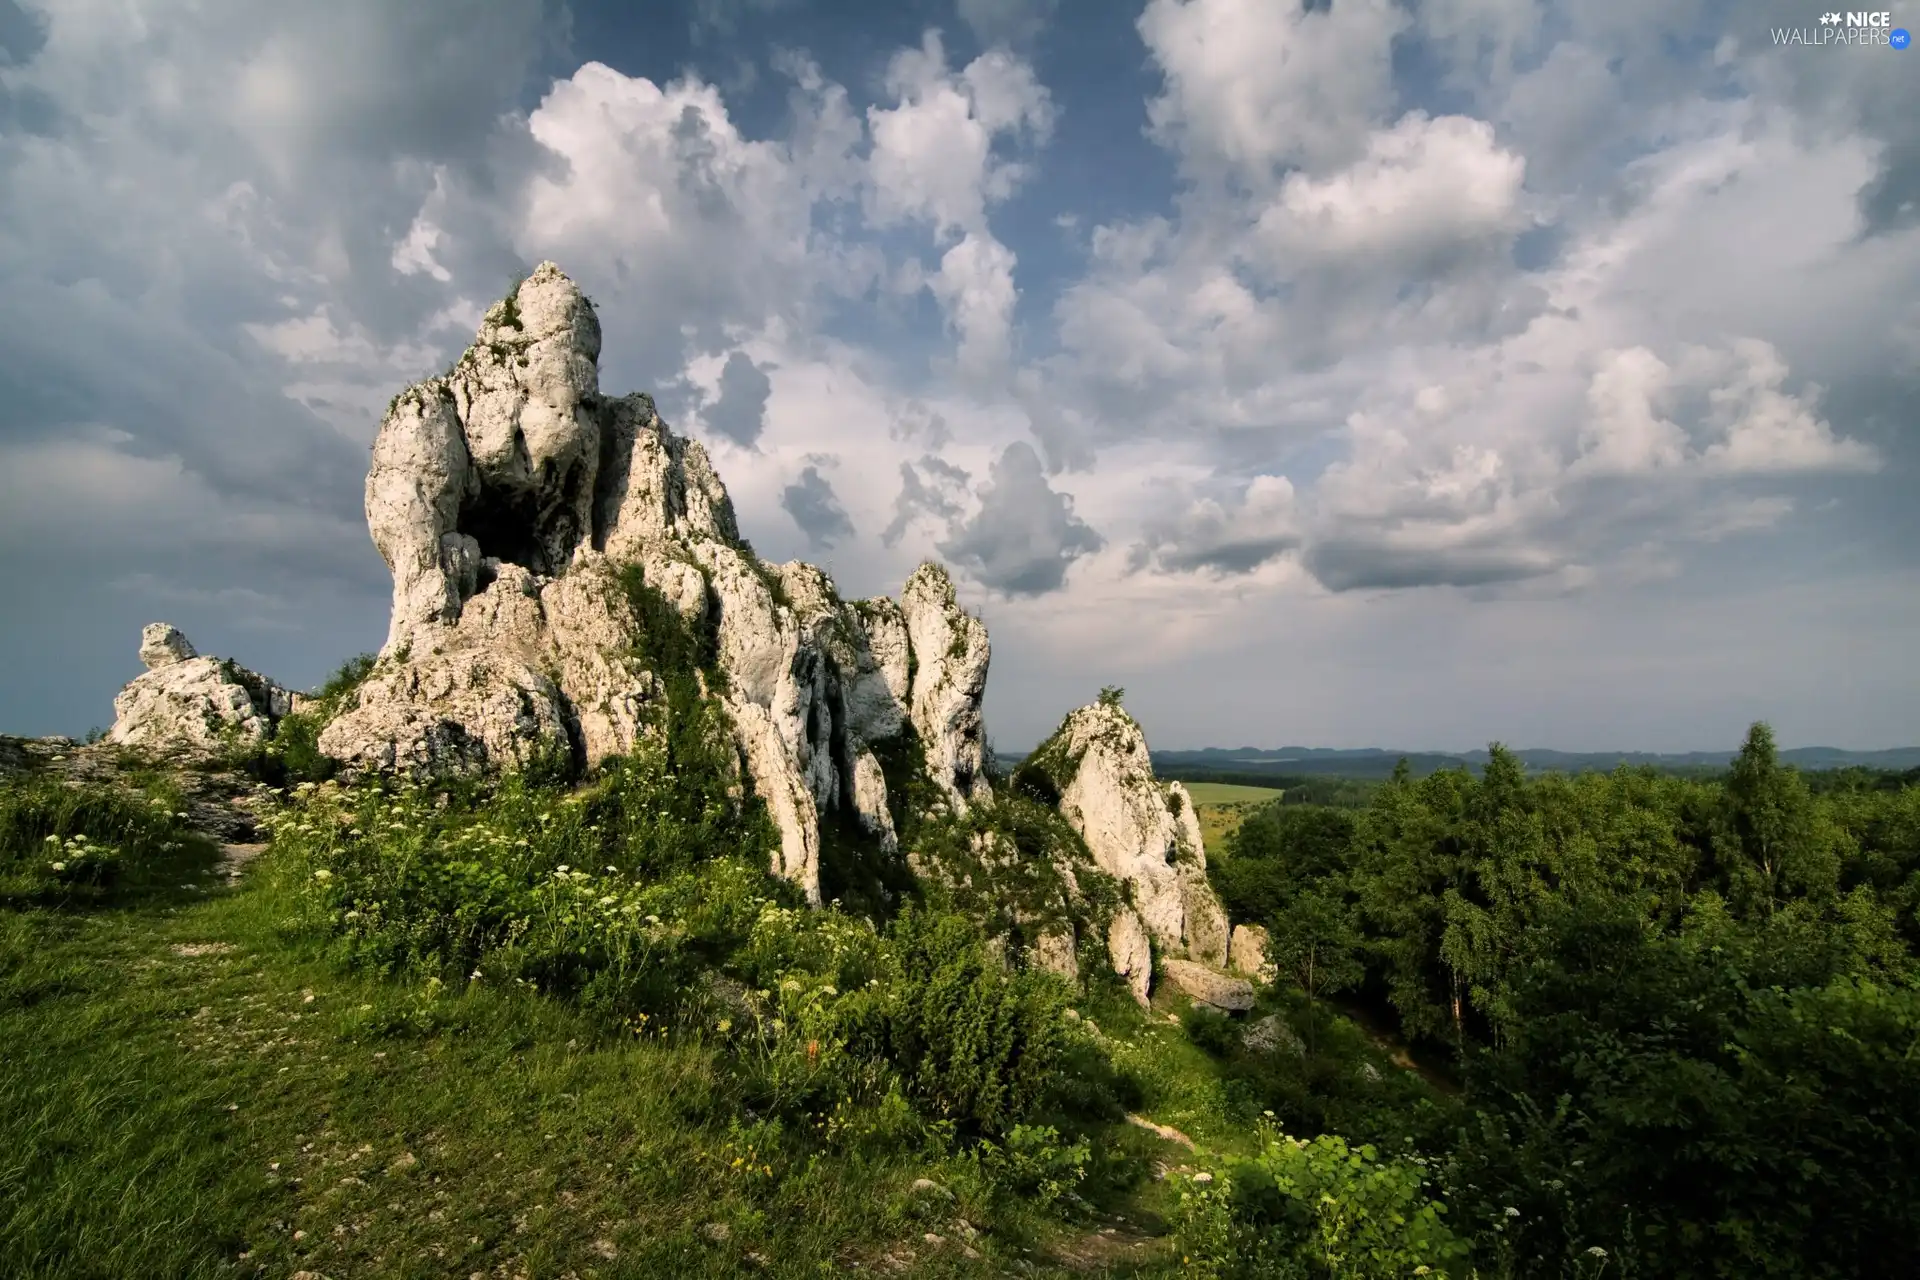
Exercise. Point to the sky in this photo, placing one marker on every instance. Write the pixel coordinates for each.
(1345, 373)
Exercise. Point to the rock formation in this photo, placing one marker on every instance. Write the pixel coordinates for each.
(1142, 832)
(528, 521)
(1247, 951)
(186, 704)
(509, 499)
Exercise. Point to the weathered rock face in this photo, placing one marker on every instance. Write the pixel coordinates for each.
(1141, 832)
(1271, 1034)
(951, 653)
(509, 496)
(1248, 952)
(184, 703)
(1209, 986)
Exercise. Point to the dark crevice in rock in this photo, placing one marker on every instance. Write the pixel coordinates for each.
(506, 525)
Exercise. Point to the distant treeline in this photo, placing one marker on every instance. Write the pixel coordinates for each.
(1370, 762)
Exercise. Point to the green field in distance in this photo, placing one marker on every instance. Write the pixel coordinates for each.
(1228, 793)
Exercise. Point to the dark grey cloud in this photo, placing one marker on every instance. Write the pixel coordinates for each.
(1354, 563)
(1025, 534)
(21, 33)
(739, 412)
(936, 493)
(815, 507)
(1013, 22)
(1228, 534)
(915, 422)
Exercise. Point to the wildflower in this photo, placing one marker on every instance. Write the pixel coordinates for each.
(1597, 1251)
(59, 866)
(1203, 1177)
(1512, 1212)
(323, 875)
(53, 840)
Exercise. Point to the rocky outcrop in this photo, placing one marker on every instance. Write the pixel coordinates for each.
(1247, 952)
(1209, 986)
(1271, 1034)
(1141, 832)
(184, 703)
(513, 503)
(950, 650)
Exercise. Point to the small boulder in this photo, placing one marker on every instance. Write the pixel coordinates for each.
(1271, 1034)
(1210, 986)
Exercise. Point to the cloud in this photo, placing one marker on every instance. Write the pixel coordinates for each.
(1025, 534)
(975, 289)
(1232, 536)
(932, 489)
(1425, 193)
(936, 154)
(699, 232)
(739, 411)
(811, 502)
(1252, 86)
(1011, 22)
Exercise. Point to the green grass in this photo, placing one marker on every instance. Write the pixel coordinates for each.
(1229, 793)
(209, 1080)
(209, 1094)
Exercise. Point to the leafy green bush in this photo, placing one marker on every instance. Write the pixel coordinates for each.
(1214, 1032)
(1034, 1163)
(976, 1044)
(1317, 1207)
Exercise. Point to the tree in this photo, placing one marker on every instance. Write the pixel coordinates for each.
(1771, 814)
(1313, 940)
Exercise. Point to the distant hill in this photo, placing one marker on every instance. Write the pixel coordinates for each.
(1375, 762)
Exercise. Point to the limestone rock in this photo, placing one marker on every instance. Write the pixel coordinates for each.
(184, 703)
(1271, 1034)
(1210, 986)
(162, 644)
(1054, 952)
(1248, 952)
(950, 653)
(509, 497)
(1140, 832)
(1130, 952)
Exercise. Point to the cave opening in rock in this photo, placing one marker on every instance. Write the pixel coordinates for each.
(507, 526)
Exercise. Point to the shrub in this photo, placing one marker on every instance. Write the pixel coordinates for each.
(1318, 1207)
(975, 1044)
(64, 843)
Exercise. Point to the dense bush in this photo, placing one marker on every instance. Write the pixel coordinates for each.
(1316, 1208)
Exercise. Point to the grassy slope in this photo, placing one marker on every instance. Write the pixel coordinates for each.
(205, 1094)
